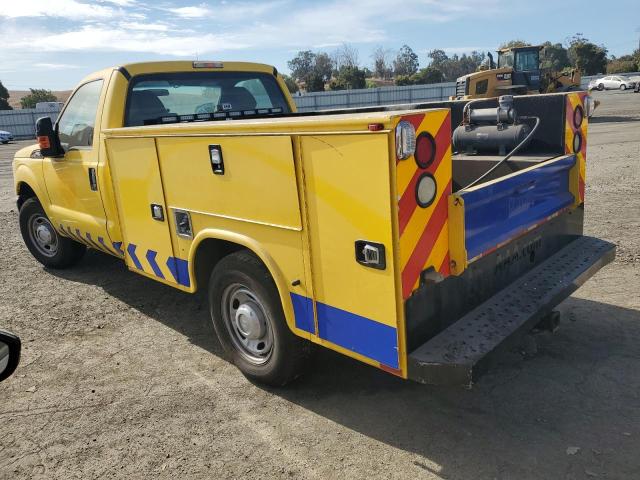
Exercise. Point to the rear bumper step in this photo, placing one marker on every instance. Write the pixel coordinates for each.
(458, 354)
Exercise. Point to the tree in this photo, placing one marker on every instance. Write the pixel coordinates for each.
(455, 66)
(381, 63)
(302, 65)
(323, 66)
(345, 56)
(291, 84)
(554, 57)
(348, 78)
(586, 56)
(406, 62)
(514, 44)
(428, 75)
(312, 69)
(37, 95)
(438, 58)
(624, 64)
(4, 97)
(314, 83)
(423, 77)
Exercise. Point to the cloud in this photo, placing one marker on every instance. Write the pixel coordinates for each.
(225, 26)
(191, 12)
(151, 27)
(95, 38)
(55, 66)
(72, 9)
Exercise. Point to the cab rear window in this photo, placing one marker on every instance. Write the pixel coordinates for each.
(152, 99)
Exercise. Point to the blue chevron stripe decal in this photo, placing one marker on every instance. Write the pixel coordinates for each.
(151, 258)
(180, 270)
(131, 250)
(118, 247)
(106, 247)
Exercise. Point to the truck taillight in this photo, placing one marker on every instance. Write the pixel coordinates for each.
(426, 189)
(405, 140)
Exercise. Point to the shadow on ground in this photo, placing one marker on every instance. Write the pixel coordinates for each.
(580, 389)
(612, 119)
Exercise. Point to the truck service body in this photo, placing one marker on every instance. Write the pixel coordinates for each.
(359, 219)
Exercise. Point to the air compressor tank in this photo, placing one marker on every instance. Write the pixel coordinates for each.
(489, 138)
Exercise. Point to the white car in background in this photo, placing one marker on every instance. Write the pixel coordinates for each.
(5, 137)
(612, 82)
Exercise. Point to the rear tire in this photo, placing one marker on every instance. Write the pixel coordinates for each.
(42, 239)
(623, 87)
(250, 324)
(601, 87)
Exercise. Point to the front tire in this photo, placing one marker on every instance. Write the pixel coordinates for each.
(601, 87)
(43, 241)
(250, 324)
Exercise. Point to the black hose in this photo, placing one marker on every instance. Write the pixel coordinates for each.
(510, 154)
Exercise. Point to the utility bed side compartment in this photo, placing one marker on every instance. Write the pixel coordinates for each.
(348, 197)
(138, 192)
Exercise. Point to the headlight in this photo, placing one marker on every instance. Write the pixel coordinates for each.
(405, 140)
(589, 105)
(426, 190)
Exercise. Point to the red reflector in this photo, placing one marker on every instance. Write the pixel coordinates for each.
(375, 127)
(425, 150)
(43, 142)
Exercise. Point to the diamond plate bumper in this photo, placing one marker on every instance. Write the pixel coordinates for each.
(458, 354)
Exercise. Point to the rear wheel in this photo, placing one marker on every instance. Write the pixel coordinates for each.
(43, 241)
(250, 324)
(600, 87)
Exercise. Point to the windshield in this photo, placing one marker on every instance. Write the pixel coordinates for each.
(157, 97)
(527, 60)
(505, 59)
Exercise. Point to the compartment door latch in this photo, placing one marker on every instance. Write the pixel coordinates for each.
(370, 254)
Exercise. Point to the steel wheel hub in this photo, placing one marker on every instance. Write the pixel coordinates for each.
(248, 323)
(43, 236)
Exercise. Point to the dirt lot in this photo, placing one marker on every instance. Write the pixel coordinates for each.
(123, 377)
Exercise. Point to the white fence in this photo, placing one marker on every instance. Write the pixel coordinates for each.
(22, 122)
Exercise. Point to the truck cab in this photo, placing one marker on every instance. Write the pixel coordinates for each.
(384, 233)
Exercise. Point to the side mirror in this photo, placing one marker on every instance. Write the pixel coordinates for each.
(9, 354)
(48, 138)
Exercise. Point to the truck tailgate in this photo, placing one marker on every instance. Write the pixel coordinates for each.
(498, 211)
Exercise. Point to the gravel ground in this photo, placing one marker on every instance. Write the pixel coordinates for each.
(122, 377)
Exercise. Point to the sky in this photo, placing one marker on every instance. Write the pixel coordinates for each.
(53, 44)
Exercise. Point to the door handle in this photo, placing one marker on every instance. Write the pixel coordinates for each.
(157, 212)
(93, 179)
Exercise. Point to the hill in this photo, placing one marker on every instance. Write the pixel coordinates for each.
(16, 95)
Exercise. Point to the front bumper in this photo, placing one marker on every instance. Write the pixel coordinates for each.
(459, 353)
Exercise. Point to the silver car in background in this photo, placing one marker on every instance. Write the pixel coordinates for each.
(5, 137)
(612, 82)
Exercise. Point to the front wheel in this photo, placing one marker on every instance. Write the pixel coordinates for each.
(43, 241)
(623, 87)
(601, 87)
(250, 324)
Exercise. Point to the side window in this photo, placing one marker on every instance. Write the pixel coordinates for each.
(75, 126)
(482, 86)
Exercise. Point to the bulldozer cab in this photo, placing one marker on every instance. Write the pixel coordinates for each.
(525, 62)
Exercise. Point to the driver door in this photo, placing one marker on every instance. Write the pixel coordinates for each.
(71, 181)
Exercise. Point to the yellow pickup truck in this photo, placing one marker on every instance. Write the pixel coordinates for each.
(419, 239)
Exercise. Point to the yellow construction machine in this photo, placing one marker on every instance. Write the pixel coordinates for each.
(518, 72)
